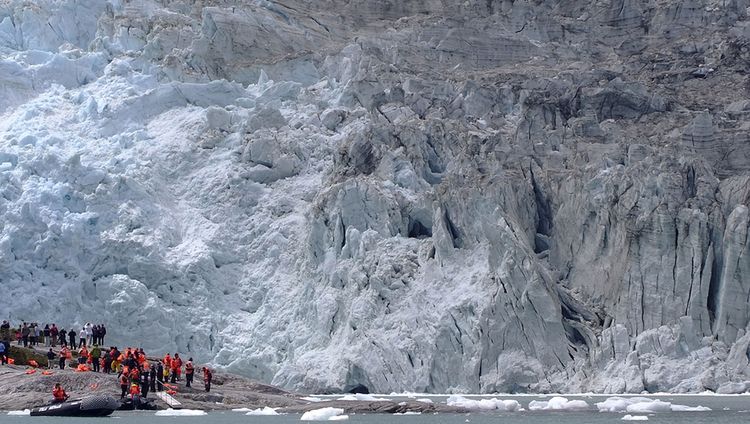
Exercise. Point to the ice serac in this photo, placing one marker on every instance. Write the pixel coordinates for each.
(491, 196)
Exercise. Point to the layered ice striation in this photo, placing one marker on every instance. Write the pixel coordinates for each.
(491, 196)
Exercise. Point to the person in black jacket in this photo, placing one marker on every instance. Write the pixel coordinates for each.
(152, 378)
(50, 358)
(144, 383)
(72, 338)
(62, 337)
(102, 333)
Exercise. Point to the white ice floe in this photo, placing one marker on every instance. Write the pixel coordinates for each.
(363, 397)
(408, 413)
(484, 404)
(634, 418)
(262, 411)
(558, 403)
(644, 405)
(339, 418)
(323, 414)
(24, 412)
(685, 408)
(180, 413)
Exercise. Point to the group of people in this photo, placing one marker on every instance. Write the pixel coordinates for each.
(135, 373)
(138, 376)
(31, 334)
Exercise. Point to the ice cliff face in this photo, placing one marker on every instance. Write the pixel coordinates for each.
(427, 196)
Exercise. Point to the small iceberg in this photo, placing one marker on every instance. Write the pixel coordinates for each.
(324, 414)
(24, 412)
(558, 403)
(363, 397)
(644, 405)
(262, 411)
(180, 413)
(634, 418)
(484, 404)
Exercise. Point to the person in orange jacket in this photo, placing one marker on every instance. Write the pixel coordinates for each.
(207, 377)
(58, 394)
(124, 381)
(176, 367)
(189, 371)
(168, 361)
(64, 356)
(83, 355)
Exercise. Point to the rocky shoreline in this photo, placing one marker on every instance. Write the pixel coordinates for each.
(19, 390)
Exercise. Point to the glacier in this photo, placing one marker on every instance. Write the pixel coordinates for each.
(428, 196)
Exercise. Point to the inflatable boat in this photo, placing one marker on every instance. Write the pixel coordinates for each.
(92, 406)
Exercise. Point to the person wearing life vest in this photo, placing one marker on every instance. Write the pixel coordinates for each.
(189, 371)
(207, 376)
(58, 394)
(176, 367)
(124, 381)
(167, 361)
(83, 355)
(64, 356)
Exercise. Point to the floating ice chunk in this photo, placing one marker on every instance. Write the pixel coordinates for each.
(339, 418)
(322, 414)
(483, 404)
(685, 408)
(362, 397)
(425, 400)
(653, 406)
(634, 418)
(558, 403)
(242, 410)
(24, 412)
(262, 411)
(644, 405)
(180, 413)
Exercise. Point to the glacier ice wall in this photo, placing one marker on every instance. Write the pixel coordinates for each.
(425, 196)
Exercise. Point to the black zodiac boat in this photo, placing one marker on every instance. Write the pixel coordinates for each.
(92, 406)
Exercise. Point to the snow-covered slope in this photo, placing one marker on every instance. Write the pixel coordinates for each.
(426, 196)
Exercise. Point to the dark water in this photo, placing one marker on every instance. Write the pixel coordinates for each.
(725, 409)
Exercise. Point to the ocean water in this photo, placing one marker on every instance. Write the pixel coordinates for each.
(724, 410)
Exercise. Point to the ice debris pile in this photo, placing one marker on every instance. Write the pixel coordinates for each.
(491, 196)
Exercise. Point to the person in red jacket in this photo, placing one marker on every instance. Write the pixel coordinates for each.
(189, 371)
(58, 393)
(176, 367)
(207, 376)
